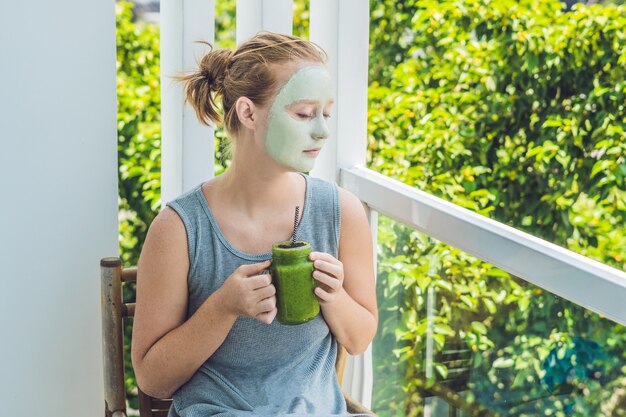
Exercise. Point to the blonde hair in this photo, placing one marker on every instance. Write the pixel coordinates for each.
(245, 72)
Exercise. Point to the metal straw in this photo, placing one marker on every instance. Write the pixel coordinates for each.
(295, 227)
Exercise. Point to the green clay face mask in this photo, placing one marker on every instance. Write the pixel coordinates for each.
(297, 125)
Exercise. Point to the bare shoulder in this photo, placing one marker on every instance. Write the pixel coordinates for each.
(165, 248)
(167, 224)
(161, 281)
(352, 210)
(355, 232)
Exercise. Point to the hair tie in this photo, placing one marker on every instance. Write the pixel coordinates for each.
(207, 76)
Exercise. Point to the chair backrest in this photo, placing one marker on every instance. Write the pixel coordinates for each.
(114, 311)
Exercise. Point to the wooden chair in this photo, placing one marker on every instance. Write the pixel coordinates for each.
(114, 311)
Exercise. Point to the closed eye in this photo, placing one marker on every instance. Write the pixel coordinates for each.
(305, 116)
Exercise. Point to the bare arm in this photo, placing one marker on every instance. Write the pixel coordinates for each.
(166, 349)
(348, 293)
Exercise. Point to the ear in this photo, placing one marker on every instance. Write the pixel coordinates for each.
(247, 112)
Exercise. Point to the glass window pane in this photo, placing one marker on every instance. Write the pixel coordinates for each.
(459, 337)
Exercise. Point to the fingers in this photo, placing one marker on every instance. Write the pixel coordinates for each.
(323, 256)
(266, 310)
(266, 305)
(262, 298)
(314, 256)
(323, 295)
(267, 317)
(329, 275)
(327, 263)
(259, 281)
(265, 292)
(331, 282)
(254, 269)
(329, 268)
(255, 306)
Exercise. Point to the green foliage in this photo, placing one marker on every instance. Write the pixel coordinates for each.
(390, 37)
(139, 129)
(301, 18)
(139, 145)
(225, 37)
(225, 30)
(514, 110)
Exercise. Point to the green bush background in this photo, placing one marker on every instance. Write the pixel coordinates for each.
(512, 109)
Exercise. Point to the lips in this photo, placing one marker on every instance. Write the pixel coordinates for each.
(312, 152)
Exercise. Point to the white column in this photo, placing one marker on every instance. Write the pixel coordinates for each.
(198, 152)
(58, 203)
(324, 30)
(256, 15)
(278, 16)
(171, 99)
(187, 152)
(249, 19)
(341, 27)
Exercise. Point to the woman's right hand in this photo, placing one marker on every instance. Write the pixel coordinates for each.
(248, 292)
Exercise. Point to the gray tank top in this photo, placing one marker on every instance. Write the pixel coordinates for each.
(260, 369)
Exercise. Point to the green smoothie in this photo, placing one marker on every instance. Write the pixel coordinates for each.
(292, 275)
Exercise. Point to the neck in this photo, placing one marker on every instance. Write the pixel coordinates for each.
(257, 184)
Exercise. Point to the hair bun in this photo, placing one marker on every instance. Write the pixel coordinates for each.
(203, 85)
(214, 68)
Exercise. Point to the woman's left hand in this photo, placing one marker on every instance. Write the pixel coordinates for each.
(329, 273)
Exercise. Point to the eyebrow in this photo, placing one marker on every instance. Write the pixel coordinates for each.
(307, 101)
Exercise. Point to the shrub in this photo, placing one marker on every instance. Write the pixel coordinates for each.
(139, 144)
(514, 110)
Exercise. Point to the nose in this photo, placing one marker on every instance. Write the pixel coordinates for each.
(320, 130)
(320, 135)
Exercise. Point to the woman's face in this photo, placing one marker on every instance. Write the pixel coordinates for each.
(298, 118)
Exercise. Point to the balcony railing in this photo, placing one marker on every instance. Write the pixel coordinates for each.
(588, 283)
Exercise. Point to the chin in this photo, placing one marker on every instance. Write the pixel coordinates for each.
(304, 168)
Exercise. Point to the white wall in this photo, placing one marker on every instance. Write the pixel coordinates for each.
(58, 202)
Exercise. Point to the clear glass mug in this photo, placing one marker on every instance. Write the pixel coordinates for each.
(292, 275)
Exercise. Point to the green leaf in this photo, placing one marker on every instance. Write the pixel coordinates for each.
(479, 327)
(444, 329)
(441, 370)
(503, 363)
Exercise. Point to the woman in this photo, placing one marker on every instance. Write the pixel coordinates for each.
(204, 329)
